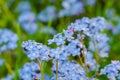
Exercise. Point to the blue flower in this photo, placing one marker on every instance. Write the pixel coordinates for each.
(48, 14)
(72, 38)
(100, 45)
(58, 39)
(71, 8)
(36, 50)
(23, 7)
(90, 62)
(8, 40)
(111, 70)
(73, 48)
(69, 70)
(68, 34)
(59, 53)
(28, 22)
(110, 13)
(1, 62)
(8, 77)
(28, 71)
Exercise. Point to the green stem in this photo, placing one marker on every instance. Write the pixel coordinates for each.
(81, 62)
(56, 69)
(40, 66)
(8, 67)
(84, 56)
(84, 66)
(96, 57)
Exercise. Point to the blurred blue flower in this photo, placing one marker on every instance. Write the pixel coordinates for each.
(71, 8)
(1, 62)
(110, 13)
(28, 22)
(23, 6)
(49, 13)
(8, 40)
(8, 77)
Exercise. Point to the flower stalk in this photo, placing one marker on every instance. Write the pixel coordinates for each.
(41, 70)
(57, 69)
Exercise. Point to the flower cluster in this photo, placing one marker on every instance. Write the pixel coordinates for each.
(78, 31)
(116, 29)
(8, 40)
(28, 22)
(71, 8)
(29, 71)
(72, 42)
(100, 45)
(49, 13)
(27, 18)
(112, 70)
(111, 15)
(68, 71)
(90, 62)
(23, 7)
(36, 50)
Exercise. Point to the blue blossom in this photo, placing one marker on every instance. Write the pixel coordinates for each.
(68, 34)
(100, 44)
(88, 26)
(63, 13)
(64, 51)
(111, 70)
(8, 40)
(85, 25)
(110, 13)
(69, 70)
(23, 6)
(49, 13)
(36, 50)
(1, 62)
(58, 39)
(72, 38)
(28, 22)
(71, 8)
(59, 53)
(118, 76)
(74, 47)
(29, 71)
(116, 30)
(8, 77)
(90, 62)
(98, 24)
